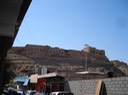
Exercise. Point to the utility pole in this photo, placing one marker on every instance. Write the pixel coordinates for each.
(86, 57)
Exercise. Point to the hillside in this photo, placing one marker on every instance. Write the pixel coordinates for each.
(22, 63)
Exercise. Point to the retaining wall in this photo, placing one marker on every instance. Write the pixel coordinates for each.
(114, 86)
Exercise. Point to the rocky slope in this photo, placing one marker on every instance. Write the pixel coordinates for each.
(22, 64)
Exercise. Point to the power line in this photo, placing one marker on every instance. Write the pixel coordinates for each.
(33, 37)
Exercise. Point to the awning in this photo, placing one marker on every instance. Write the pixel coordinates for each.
(26, 82)
(9, 14)
(90, 73)
(21, 78)
(50, 75)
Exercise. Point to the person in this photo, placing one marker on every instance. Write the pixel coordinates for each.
(23, 93)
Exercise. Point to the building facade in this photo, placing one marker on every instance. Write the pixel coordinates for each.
(47, 51)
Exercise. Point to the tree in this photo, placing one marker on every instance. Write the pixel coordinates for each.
(8, 73)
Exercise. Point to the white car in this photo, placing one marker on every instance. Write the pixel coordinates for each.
(31, 92)
(19, 91)
(61, 93)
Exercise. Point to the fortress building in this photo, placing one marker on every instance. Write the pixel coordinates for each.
(46, 51)
(26, 59)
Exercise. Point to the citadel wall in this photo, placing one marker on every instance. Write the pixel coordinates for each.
(47, 51)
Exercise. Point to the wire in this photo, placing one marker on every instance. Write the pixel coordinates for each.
(33, 37)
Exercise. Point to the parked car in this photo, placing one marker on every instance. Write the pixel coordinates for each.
(31, 92)
(19, 92)
(38, 93)
(10, 91)
(61, 93)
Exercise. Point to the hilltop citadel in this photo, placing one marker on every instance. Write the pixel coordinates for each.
(47, 51)
(55, 59)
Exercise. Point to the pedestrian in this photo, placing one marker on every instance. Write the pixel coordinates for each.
(23, 93)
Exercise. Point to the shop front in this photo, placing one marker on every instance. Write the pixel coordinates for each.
(48, 82)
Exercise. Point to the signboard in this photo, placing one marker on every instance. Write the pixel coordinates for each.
(33, 78)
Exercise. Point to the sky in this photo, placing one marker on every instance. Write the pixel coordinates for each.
(70, 24)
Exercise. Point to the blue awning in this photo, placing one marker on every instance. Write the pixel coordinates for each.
(26, 82)
(22, 78)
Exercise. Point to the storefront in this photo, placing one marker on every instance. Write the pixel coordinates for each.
(21, 81)
(48, 82)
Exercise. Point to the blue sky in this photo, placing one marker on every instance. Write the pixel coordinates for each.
(70, 24)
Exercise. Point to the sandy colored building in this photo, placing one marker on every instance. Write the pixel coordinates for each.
(47, 51)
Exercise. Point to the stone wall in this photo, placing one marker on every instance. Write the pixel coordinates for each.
(114, 86)
(47, 51)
